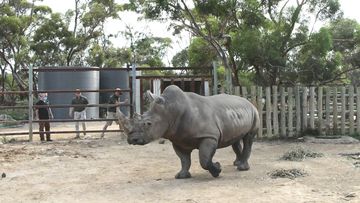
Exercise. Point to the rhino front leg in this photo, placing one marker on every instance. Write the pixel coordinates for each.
(185, 158)
(237, 149)
(243, 164)
(207, 150)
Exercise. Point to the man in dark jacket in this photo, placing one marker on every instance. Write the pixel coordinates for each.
(43, 114)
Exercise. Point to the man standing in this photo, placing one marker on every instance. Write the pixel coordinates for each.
(79, 112)
(44, 114)
(113, 111)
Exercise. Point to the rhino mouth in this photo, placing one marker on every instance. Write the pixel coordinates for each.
(136, 141)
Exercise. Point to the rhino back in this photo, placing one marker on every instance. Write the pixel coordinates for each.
(225, 118)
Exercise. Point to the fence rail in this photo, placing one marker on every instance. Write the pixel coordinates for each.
(292, 111)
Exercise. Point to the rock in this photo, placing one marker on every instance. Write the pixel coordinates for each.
(3, 175)
(162, 141)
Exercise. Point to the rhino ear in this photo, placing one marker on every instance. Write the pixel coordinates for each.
(137, 116)
(152, 97)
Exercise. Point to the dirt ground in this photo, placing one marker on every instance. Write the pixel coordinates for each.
(110, 170)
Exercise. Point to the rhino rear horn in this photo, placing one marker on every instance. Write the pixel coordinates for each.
(152, 97)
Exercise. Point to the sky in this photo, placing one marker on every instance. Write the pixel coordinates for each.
(349, 7)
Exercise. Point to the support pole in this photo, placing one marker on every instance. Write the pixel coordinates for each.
(31, 102)
(133, 73)
(215, 78)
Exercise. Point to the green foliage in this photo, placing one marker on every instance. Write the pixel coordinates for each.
(264, 37)
(181, 59)
(200, 54)
(146, 49)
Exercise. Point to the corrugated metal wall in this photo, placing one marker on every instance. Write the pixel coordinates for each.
(89, 80)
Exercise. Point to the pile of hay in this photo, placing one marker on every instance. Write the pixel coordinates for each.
(353, 157)
(299, 154)
(287, 173)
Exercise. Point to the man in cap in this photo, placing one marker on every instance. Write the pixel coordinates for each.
(43, 113)
(79, 112)
(113, 111)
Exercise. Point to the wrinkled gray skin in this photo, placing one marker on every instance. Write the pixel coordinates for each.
(191, 121)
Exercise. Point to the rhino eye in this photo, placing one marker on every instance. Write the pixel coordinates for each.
(147, 123)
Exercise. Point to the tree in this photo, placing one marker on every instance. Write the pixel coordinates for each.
(180, 59)
(146, 50)
(248, 35)
(18, 18)
(331, 55)
(57, 43)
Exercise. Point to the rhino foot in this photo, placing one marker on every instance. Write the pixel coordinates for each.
(243, 166)
(183, 175)
(215, 169)
(236, 162)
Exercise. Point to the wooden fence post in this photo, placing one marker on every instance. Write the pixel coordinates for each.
(335, 111)
(312, 107)
(291, 107)
(298, 109)
(275, 111)
(351, 109)
(327, 109)
(282, 112)
(237, 90)
(253, 95)
(260, 109)
(268, 112)
(320, 110)
(358, 109)
(244, 92)
(304, 108)
(343, 110)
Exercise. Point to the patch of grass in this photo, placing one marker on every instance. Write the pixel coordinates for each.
(287, 173)
(299, 154)
(355, 135)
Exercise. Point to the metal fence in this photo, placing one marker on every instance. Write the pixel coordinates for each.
(30, 93)
(135, 89)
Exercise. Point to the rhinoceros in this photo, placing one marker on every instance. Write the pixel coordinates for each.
(191, 121)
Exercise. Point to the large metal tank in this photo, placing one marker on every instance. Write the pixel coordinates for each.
(70, 80)
(111, 79)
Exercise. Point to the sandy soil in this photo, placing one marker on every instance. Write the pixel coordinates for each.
(94, 170)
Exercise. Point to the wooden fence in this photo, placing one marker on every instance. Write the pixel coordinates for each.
(293, 111)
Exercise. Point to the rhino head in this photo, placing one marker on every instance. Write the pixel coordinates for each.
(150, 126)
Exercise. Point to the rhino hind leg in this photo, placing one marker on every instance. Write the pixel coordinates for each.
(243, 164)
(207, 150)
(238, 150)
(185, 158)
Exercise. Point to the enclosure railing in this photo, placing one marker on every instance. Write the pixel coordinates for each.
(30, 93)
(206, 73)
